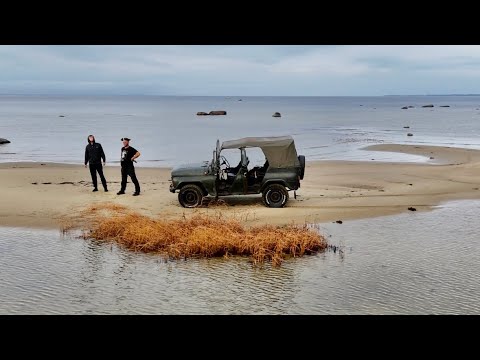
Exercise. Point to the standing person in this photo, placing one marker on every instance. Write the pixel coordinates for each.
(129, 154)
(94, 155)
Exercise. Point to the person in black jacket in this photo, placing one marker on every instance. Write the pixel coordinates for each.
(94, 155)
(127, 158)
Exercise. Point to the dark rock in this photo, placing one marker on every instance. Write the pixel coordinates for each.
(217, 112)
(239, 99)
(426, 106)
(431, 158)
(409, 134)
(444, 105)
(277, 114)
(412, 209)
(61, 115)
(406, 127)
(213, 112)
(34, 183)
(4, 141)
(410, 184)
(405, 108)
(411, 106)
(339, 221)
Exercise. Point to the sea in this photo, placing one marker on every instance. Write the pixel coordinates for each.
(411, 263)
(167, 131)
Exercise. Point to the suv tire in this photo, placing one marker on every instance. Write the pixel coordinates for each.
(275, 196)
(190, 196)
(301, 159)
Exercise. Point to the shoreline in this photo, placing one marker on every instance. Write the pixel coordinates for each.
(332, 190)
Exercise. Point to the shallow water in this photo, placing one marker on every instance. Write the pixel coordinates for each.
(412, 263)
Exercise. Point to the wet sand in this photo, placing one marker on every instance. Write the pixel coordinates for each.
(40, 195)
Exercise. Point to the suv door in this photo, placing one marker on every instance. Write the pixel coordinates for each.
(239, 185)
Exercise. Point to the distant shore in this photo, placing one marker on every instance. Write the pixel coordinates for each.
(40, 196)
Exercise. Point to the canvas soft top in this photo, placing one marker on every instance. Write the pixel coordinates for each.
(280, 151)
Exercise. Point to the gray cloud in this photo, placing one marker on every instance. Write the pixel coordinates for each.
(239, 70)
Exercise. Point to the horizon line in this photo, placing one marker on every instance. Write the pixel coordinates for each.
(230, 96)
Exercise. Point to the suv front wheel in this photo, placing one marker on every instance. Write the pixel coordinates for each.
(190, 196)
(275, 196)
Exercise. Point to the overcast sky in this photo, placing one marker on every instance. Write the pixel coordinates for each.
(240, 70)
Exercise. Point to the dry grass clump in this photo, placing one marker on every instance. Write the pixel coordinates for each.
(66, 225)
(85, 217)
(105, 207)
(216, 203)
(204, 235)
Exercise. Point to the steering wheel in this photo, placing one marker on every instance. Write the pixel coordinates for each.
(224, 161)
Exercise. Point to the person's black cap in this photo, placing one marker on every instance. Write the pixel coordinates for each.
(125, 139)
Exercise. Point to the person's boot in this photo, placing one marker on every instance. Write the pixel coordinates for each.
(106, 190)
(95, 189)
(136, 193)
(121, 192)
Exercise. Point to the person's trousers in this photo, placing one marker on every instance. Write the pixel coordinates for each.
(129, 171)
(94, 168)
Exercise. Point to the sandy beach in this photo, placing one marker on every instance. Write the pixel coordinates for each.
(40, 195)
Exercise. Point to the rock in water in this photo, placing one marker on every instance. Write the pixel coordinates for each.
(217, 112)
(277, 114)
(4, 141)
(405, 108)
(201, 113)
(409, 134)
(429, 105)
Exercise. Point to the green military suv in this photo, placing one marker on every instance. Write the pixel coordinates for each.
(282, 171)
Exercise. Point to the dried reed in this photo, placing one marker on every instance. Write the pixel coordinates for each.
(201, 235)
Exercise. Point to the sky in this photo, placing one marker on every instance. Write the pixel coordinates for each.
(240, 70)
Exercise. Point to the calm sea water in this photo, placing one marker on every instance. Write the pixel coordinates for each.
(166, 130)
(414, 263)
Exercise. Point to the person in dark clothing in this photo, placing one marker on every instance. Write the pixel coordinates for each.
(128, 156)
(94, 155)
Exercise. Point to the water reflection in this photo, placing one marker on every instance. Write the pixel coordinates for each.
(413, 263)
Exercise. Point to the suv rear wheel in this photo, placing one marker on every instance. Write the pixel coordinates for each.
(190, 196)
(275, 196)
